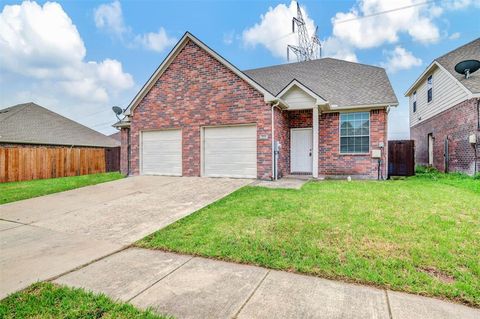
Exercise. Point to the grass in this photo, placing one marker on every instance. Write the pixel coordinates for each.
(47, 300)
(10, 192)
(419, 235)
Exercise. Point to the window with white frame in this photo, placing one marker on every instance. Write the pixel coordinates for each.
(355, 132)
(429, 88)
(414, 103)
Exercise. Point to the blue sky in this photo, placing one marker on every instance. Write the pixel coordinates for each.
(79, 58)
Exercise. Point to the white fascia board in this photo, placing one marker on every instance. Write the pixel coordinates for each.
(173, 54)
(420, 78)
(356, 108)
(318, 99)
(430, 68)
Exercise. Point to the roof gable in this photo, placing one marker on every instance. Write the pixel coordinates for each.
(341, 83)
(297, 91)
(447, 64)
(171, 57)
(30, 123)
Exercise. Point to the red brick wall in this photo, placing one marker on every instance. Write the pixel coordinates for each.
(282, 134)
(332, 163)
(456, 124)
(196, 90)
(124, 132)
(300, 118)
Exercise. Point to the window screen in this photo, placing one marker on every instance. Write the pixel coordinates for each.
(355, 132)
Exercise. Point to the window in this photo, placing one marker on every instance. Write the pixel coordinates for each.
(355, 132)
(429, 87)
(414, 98)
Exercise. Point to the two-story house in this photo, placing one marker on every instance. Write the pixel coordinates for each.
(445, 113)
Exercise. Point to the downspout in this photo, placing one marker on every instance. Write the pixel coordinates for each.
(274, 161)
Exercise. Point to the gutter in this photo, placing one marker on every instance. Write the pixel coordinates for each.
(274, 162)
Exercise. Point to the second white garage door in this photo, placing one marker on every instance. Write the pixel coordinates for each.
(230, 151)
(162, 152)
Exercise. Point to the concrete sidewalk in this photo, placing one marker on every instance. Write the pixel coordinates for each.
(47, 236)
(193, 287)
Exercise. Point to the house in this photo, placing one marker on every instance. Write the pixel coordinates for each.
(444, 113)
(198, 115)
(38, 143)
(115, 136)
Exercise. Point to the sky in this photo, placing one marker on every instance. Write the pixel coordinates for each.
(79, 58)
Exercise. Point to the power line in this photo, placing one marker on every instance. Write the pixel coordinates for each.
(103, 124)
(384, 12)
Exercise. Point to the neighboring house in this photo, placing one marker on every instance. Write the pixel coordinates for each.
(38, 143)
(445, 112)
(115, 136)
(198, 115)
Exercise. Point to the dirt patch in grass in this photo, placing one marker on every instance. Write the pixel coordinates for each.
(443, 277)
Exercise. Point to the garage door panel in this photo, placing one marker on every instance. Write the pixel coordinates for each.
(162, 152)
(230, 151)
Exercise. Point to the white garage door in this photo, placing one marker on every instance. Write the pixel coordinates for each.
(162, 152)
(230, 151)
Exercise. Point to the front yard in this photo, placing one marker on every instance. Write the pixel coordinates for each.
(46, 300)
(420, 235)
(10, 192)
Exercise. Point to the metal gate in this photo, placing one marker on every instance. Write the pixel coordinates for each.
(401, 158)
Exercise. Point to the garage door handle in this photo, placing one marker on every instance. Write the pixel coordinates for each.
(310, 154)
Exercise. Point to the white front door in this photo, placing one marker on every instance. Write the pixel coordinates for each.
(301, 150)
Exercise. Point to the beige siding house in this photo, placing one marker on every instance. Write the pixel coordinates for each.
(445, 113)
(446, 93)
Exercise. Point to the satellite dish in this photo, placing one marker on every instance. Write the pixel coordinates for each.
(117, 110)
(467, 67)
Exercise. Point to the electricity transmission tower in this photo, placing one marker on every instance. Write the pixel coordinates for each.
(308, 48)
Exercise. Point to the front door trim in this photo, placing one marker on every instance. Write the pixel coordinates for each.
(310, 130)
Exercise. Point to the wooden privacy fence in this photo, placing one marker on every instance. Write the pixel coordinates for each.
(401, 158)
(24, 163)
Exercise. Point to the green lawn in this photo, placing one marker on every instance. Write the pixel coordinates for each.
(46, 300)
(10, 192)
(420, 235)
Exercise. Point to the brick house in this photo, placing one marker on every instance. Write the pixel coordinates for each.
(198, 115)
(445, 113)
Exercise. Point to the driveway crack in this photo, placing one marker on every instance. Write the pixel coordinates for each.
(251, 295)
(161, 278)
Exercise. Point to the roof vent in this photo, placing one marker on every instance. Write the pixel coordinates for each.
(467, 67)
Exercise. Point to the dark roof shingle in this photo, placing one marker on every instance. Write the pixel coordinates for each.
(469, 51)
(340, 82)
(30, 123)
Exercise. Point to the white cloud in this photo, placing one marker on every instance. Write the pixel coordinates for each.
(158, 41)
(460, 4)
(336, 48)
(362, 28)
(400, 59)
(43, 59)
(228, 37)
(109, 18)
(454, 36)
(274, 31)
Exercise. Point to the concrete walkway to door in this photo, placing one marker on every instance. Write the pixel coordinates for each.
(44, 237)
(193, 287)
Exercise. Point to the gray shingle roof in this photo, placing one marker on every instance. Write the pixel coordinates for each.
(30, 123)
(469, 51)
(340, 82)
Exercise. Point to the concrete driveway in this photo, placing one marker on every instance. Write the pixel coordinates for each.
(44, 237)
